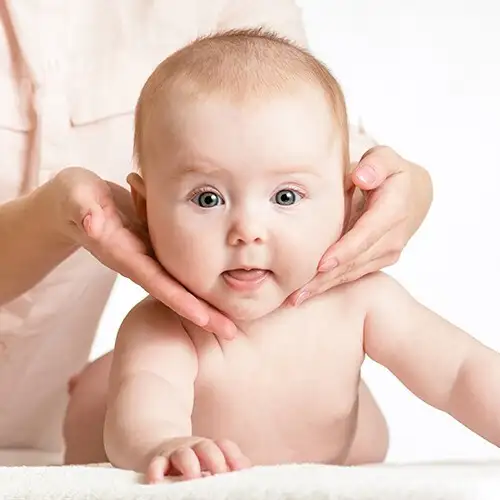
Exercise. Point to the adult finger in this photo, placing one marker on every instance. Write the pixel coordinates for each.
(370, 267)
(149, 274)
(383, 252)
(153, 278)
(375, 166)
(322, 283)
(220, 325)
(146, 272)
(369, 228)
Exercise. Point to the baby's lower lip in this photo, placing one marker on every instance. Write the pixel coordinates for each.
(244, 280)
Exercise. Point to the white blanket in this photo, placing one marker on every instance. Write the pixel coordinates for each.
(460, 481)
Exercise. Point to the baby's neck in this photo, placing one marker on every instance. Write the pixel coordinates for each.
(250, 327)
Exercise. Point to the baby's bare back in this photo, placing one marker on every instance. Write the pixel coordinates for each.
(286, 391)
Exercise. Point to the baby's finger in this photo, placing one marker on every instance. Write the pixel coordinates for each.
(184, 462)
(235, 459)
(211, 457)
(157, 470)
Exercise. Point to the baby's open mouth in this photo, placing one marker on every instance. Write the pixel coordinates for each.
(245, 279)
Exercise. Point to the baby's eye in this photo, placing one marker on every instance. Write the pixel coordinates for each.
(286, 197)
(208, 199)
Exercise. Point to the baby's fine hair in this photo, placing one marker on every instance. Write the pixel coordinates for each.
(239, 64)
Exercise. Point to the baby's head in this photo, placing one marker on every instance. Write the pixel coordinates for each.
(241, 140)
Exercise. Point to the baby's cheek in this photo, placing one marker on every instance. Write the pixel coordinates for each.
(299, 262)
(194, 262)
(296, 268)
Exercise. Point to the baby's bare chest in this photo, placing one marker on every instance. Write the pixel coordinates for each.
(291, 386)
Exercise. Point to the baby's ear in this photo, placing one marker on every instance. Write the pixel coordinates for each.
(349, 189)
(138, 192)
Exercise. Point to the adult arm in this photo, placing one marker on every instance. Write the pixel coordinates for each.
(31, 243)
(79, 209)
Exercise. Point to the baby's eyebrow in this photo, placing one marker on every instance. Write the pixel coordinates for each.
(184, 169)
(209, 168)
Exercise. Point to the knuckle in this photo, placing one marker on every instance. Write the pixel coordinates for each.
(392, 258)
(202, 444)
(367, 236)
(178, 452)
(397, 245)
(185, 448)
(369, 242)
(349, 267)
(366, 243)
(226, 444)
(343, 279)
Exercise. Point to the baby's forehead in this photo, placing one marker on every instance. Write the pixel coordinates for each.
(246, 68)
(273, 122)
(272, 135)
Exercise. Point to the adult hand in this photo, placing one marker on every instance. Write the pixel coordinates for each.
(100, 217)
(396, 196)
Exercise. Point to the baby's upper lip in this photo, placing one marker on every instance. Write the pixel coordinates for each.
(247, 268)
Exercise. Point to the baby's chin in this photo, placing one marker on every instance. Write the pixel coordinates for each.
(247, 311)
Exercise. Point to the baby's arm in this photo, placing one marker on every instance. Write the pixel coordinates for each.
(151, 386)
(438, 362)
(148, 420)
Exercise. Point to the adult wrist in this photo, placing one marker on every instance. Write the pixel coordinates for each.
(49, 201)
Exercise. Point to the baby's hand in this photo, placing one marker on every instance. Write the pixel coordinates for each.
(194, 457)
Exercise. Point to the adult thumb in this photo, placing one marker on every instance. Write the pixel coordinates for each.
(374, 167)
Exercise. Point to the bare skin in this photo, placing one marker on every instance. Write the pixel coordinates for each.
(237, 218)
(84, 423)
(184, 403)
(239, 386)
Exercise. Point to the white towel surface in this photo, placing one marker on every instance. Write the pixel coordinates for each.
(459, 481)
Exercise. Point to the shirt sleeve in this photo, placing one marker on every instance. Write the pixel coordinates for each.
(281, 16)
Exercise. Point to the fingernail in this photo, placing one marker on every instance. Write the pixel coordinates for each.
(201, 319)
(303, 296)
(230, 332)
(328, 265)
(366, 174)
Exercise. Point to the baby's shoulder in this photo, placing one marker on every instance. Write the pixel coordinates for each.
(152, 339)
(377, 291)
(150, 318)
(359, 294)
(150, 309)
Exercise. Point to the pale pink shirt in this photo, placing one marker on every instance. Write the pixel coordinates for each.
(88, 60)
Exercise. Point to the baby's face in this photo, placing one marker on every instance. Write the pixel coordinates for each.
(245, 200)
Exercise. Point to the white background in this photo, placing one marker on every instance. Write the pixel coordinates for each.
(424, 77)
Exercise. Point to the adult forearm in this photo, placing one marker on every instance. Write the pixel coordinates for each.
(31, 243)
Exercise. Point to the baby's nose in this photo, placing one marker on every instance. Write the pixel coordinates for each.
(246, 231)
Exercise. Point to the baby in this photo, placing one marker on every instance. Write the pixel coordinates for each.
(242, 144)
